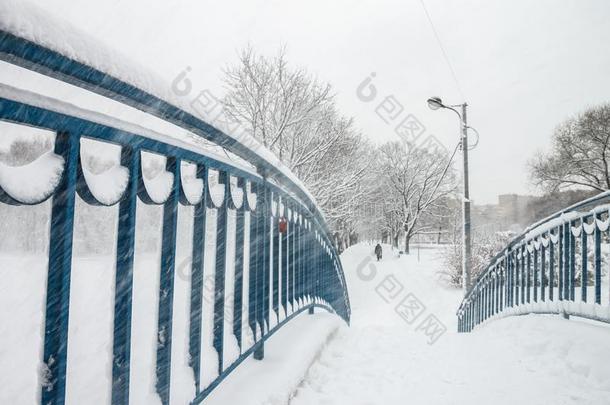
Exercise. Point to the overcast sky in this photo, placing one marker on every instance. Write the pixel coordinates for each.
(522, 66)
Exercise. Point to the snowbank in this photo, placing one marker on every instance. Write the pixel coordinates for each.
(385, 359)
(288, 355)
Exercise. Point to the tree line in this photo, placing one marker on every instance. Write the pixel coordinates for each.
(389, 192)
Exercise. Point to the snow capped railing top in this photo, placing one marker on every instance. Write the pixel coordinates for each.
(539, 266)
(19, 46)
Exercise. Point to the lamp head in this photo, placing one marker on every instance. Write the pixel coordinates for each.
(435, 103)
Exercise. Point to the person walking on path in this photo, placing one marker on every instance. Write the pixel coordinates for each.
(378, 251)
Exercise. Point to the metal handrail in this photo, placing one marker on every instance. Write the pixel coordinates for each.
(307, 263)
(537, 271)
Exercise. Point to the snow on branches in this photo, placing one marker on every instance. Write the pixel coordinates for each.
(417, 182)
(295, 116)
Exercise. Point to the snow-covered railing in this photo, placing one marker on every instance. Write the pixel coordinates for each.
(271, 252)
(558, 265)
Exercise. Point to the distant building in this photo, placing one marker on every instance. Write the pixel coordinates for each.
(514, 208)
(511, 213)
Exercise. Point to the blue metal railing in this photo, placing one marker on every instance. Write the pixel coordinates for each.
(556, 266)
(310, 268)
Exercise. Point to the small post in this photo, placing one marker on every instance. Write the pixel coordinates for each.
(310, 311)
(259, 350)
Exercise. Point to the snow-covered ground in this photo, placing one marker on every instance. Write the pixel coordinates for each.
(382, 359)
(402, 346)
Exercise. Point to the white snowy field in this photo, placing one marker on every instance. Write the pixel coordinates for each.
(382, 359)
(385, 357)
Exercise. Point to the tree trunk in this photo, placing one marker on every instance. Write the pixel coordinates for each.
(407, 240)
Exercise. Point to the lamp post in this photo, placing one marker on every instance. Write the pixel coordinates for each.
(436, 103)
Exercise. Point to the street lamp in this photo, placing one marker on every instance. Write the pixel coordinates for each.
(436, 103)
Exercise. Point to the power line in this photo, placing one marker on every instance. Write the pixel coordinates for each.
(440, 45)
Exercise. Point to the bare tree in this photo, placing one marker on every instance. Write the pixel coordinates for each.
(484, 247)
(271, 98)
(416, 182)
(295, 116)
(580, 154)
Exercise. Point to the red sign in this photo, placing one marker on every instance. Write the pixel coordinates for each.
(283, 225)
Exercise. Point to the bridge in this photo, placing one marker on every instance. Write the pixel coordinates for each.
(243, 250)
(554, 267)
(271, 257)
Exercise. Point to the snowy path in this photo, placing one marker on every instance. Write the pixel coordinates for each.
(382, 359)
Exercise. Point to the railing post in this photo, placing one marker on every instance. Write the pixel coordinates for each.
(513, 278)
(598, 266)
(284, 263)
(561, 263)
(292, 258)
(275, 235)
(309, 271)
(543, 271)
(471, 317)
(523, 249)
(572, 282)
(491, 283)
(268, 233)
(59, 272)
(504, 285)
(521, 263)
(490, 296)
(166, 283)
(199, 224)
(508, 294)
(130, 158)
(507, 291)
(566, 261)
(238, 284)
(494, 293)
(302, 259)
(297, 262)
(501, 289)
(310, 265)
(529, 274)
(500, 293)
(254, 253)
(484, 299)
(551, 269)
(535, 276)
(263, 205)
(497, 290)
(220, 269)
(584, 257)
(475, 303)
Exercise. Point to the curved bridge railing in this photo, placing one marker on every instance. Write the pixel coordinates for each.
(259, 251)
(557, 266)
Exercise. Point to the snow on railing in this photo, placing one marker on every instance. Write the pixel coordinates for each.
(541, 270)
(271, 256)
